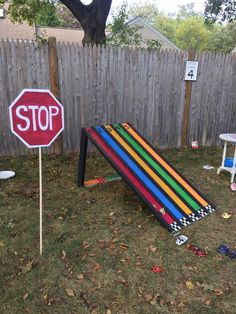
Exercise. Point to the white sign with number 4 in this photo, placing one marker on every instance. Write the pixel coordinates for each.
(191, 71)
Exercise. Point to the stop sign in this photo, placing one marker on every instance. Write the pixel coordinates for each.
(36, 117)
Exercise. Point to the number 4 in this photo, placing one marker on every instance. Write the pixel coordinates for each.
(191, 74)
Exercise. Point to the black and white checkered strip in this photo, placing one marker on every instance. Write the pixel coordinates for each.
(175, 226)
(184, 221)
(202, 212)
(210, 209)
(193, 217)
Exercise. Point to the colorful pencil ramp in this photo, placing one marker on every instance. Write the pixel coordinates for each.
(171, 198)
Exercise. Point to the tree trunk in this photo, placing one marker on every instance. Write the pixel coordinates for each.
(92, 18)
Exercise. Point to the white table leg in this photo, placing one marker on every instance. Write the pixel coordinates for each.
(234, 168)
(223, 158)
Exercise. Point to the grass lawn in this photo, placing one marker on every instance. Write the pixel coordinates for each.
(100, 244)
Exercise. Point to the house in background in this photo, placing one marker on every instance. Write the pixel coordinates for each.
(147, 31)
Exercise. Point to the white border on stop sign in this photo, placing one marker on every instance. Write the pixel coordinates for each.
(37, 91)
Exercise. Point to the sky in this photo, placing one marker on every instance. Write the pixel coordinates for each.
(167, 6)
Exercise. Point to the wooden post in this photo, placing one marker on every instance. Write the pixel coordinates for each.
(188, 93)
(82, 157)
(54, 84)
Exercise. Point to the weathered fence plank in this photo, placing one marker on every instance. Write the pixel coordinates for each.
(22, 65)
(100, 85)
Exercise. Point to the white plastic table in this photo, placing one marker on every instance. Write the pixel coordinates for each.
(228, 137)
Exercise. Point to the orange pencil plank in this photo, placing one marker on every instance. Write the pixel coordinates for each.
(153, 175)
(168, 168)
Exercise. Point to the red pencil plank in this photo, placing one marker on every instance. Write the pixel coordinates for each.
(156, 206)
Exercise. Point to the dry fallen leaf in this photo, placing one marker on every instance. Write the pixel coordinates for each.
(2, 244)
(207, 302)
(152, 248)
(108, 312)
(148, 297)
(189, 284)
(123, 246)
(27, 267)
(85, 245)
(80, 276)
(154, 299)
(70, 292)
(49, 300)
(63, 254)
(218, 292)
(140, 208)
(25, 296)
(181, 304)
(128, 221)
(97, 266)
(122, 281)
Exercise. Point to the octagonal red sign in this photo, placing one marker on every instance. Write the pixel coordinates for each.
(36, 117)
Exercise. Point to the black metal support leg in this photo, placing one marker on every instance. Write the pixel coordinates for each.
(82, 157)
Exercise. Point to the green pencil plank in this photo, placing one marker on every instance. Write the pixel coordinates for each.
(161, 172)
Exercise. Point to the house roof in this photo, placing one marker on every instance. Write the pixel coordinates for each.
(233, 51)
(139, 20)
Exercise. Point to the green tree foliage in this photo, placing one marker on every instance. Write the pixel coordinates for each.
(28, 10)
(41, 12)
(186, 28)
(123, 35)
(167, 25)
(220, 10)
(223, 38)
(193, 33)
(48, 16)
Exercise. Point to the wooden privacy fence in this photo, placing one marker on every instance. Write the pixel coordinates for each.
(99, 85)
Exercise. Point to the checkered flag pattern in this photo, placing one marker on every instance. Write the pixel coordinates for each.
(203, 213)
(193, 217)
(184, 221)
(175, 226)
(210, 208)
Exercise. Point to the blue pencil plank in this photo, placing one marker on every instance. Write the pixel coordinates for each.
(141, 175)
